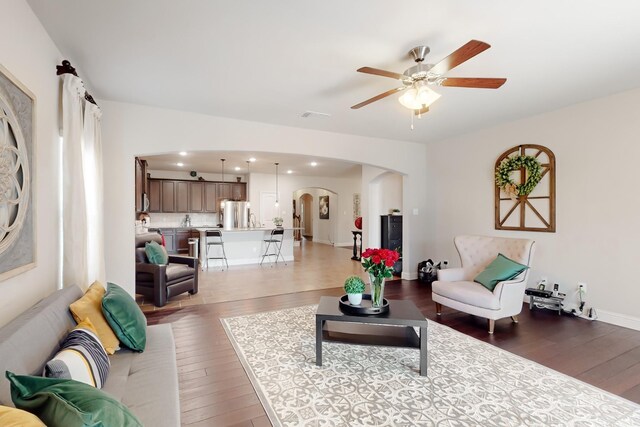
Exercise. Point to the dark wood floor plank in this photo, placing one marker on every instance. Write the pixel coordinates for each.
(215, 390)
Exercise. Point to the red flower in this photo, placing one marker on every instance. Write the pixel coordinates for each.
(375, 259)
(389, 262)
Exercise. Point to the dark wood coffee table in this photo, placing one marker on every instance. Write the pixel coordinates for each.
(394, 328)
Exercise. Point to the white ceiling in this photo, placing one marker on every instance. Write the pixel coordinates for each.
(270, 61)
(209, 162)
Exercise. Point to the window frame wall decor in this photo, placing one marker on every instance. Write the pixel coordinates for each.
(534, 183)
(323, 207)
(18, 116)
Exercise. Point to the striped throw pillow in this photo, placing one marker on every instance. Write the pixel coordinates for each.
(81, 357)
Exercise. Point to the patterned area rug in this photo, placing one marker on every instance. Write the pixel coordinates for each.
(469, 382)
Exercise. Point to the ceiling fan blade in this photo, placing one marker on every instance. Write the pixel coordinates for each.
(383, 73)
(461, 55)
(421, 111)
(475, 82)
(377, 97)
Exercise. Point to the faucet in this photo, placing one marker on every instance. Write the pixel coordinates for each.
(252, 220)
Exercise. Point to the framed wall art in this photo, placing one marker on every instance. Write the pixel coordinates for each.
(324, 207)
(17, 204)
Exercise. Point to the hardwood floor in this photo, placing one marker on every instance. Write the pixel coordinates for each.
(215, 390)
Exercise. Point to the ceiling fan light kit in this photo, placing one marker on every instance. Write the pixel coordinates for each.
(416, 80)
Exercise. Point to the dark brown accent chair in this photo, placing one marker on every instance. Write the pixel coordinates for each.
(162, 282)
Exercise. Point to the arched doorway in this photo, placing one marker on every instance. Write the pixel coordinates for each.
(306, 216)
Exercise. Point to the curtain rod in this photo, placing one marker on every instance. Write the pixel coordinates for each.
(67, 68)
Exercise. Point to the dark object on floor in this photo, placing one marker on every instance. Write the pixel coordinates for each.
(162, 282)
(428, 271)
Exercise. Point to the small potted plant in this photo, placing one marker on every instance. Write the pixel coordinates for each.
(396, 211)
(278, 221)
(354, 287)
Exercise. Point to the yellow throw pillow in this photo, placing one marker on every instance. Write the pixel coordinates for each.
(12, 417)
(90, 306)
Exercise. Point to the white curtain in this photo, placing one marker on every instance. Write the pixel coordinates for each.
(83, 254)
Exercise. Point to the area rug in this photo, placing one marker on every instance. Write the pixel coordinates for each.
(469, 382)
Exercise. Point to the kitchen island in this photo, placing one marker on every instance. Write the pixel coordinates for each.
(245, 246)
(242, 245)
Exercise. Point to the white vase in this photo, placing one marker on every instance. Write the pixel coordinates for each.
(355, 299)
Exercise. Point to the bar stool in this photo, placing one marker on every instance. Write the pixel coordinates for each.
(275, 238)
(214, 238)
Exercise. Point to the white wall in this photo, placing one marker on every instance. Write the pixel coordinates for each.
(597, 148)
(385, 194)
(335, 230)
(130, 130)
(29, 54)
(326, 230)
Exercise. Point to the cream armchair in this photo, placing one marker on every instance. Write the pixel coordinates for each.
(455, 287)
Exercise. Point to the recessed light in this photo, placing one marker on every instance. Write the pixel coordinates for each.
(180, 164)
(237, 168)
(314, 164)
(289, 171)
(183, 153)
(252, 159)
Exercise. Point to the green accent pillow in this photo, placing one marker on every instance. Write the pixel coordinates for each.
(500, 269)
(125, 317)
(156, 253)
(68, 403)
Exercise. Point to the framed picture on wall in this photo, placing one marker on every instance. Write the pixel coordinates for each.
(324, 207)
(17, 145)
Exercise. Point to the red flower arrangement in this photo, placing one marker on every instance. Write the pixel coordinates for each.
(379, 262)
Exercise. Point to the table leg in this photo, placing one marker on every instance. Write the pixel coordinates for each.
(423, 351)
(319, 327)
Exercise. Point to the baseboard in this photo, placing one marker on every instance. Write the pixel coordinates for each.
(324, 242)
(618, 319)
(347, 244)
(409, 276)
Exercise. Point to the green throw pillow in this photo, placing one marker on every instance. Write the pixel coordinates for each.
(500, 269)
(156, 253)
(68, 403)
(125, 317)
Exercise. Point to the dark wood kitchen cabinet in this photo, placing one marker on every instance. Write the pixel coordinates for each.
(210, 197)
(174, 195)
(196, 196)
(182, 241)
(182, 196)
(223, 190)
(239, 191)
(141, 184)
(168, 196)
(155, 195)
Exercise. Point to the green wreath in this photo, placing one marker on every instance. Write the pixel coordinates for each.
(510, 164)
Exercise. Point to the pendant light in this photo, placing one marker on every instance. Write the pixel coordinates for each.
(222, 161)
(277, 204)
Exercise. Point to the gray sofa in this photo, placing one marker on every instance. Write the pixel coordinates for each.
(147, 383)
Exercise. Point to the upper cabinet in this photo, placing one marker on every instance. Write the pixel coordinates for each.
(168, 195)
(141, 185)
(196, 196)
(239, 191)
(210, 197)
(155, 195)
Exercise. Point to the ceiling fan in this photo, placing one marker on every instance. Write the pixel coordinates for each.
(417, 79)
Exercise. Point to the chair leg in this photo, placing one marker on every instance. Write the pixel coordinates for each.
(492, 324)
(266, 251)
(224, 254)
(514, 318)
(438, 308)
